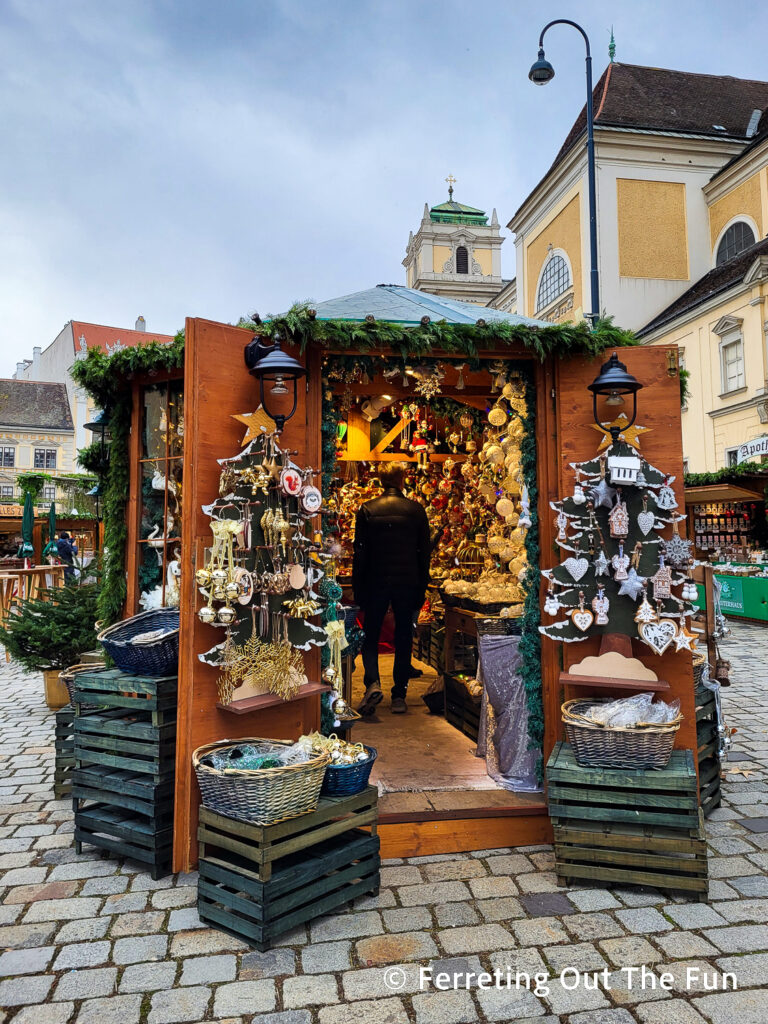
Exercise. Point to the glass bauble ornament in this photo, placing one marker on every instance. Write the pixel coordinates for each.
(505, 507)
(497, 417)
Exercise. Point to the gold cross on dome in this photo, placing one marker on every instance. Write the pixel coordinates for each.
(451, 182)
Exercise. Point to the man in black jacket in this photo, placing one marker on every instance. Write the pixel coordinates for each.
(390, 567)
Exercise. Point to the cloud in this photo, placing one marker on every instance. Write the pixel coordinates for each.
(190, 158)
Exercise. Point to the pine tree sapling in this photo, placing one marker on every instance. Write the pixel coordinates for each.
(54, 630)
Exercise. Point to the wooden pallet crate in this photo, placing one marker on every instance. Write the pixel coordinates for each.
(264, 845)
(124, 789)
(666, 798)
(622, 854)
(710, 794)
(304, 885)
(127, 739)
(112, 688)
(126, 834)
(64, 747)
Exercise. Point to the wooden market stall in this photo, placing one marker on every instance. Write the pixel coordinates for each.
(216, 386)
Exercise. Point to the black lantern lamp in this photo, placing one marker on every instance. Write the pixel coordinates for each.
(541, 71)
(614, 381)
(275, 367)
(99, 427)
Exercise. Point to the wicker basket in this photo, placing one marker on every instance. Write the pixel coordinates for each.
(499, 627)
(598, 746)
(262, 796)
(68, 676)
(159, 658)
(346, 779)
(699, 661)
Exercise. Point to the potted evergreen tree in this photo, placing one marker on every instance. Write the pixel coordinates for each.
(52, 632)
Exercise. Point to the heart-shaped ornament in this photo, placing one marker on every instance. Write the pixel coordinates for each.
(646, 521)
(658, 635)
(576, 567)
(582, 619)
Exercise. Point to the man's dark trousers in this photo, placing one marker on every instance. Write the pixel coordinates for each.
(404, 601)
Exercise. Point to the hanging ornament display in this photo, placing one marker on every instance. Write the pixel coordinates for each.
(645, 612)
(646, 520)
(658, 635)
(601, 564)
(632, 585)
(666, 497)
(684, 639)
(620, 563)
(618, 519)
(677, 550)
(582, 617)
(551, 604)
(600, 606)
(603, 494)
(662, 581)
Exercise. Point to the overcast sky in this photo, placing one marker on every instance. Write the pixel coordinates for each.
(212, 157)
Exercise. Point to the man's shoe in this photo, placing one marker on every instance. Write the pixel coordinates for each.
(415, 673)
(373, 697)
(399, 707)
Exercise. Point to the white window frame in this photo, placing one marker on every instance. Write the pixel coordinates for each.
(552, 252)
(734, 220)
(732, 339)
(6, 487)
(49, 492)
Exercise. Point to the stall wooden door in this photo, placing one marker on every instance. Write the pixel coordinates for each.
(217, 386)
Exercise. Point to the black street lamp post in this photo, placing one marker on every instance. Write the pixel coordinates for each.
(542, 72)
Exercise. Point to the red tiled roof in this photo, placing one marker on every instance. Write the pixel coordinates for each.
(99, 336)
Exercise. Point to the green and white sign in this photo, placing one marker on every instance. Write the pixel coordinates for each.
(731, 594)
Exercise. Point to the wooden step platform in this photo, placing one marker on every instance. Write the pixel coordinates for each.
(304, 885)
(628, 827)
(264, 845)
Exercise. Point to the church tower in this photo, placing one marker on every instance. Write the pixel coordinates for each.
(455, 252)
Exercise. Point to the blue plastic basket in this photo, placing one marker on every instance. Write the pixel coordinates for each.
(160, 658)
(346, 779)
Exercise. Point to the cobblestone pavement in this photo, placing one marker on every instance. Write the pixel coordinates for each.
(95, 941)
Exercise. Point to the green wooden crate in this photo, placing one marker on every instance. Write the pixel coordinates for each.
(621, 854)
(710, 793)
(264, 845)
(127, 739)
(304, 885)
(124, 789)
(667, 797)
(125, 834)
(462, 710)
(112, 688)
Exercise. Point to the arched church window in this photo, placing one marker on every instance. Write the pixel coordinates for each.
(555, 279)
(737, 238)
(462, 260)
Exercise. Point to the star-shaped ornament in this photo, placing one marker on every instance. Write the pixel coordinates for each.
(603, 494)
(632, 585)
(258, 423)
(685, 640)
(601, 564)
(629, 434)
(745, 772)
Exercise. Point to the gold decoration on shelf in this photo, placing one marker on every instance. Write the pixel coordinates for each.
(275, 665)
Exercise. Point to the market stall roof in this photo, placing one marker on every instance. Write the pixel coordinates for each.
(397, 304)
(719, 492)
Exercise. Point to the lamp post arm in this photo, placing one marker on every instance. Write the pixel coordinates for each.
(594, 278)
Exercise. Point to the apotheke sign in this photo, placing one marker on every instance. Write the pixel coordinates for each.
(753, 449)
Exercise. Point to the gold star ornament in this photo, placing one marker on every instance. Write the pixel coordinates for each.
(631, 435)
(257, 422)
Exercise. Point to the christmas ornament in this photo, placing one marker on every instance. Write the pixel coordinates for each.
(579, 497)
(662, 581)
(551, 604)
(632, 585)
(658, 635)
(624, 468)
(666, 497)
(618, 520)
(603, 494)
(310, 500)
(677, 550)
(620, 563)
(646, 612)
(600, 606)
(645, 519)
(562, 525)
(497, 417)
(290, 481)
(576, 567)
(685, 640)
(581, 617)
(601, 564)
(207, 614)
(225, 615)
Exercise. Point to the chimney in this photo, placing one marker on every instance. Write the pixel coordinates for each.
(141, 324)
(19, 371)
(36, 353)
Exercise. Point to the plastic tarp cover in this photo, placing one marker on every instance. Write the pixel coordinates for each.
(503, 735)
